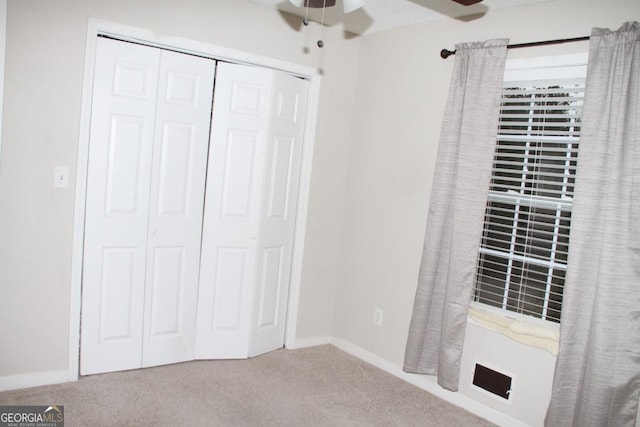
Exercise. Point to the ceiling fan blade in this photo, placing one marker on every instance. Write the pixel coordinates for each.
(467, 2)
(297, 3)
(351, 5)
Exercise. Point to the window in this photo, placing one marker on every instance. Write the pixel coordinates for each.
(523, 253)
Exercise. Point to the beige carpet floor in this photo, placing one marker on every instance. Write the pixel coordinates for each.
(318, 386)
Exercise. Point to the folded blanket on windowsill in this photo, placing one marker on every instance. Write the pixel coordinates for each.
(521, 330)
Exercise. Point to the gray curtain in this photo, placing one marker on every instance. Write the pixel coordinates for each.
(456, 212)
(597, 375)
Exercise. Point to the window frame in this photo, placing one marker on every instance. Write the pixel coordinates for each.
(557, 67)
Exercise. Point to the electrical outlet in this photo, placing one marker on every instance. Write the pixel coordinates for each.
(61, 177)
(377, 316)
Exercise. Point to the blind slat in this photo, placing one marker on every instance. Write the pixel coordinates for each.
(510, 197)
(539, 133)
(574, 138)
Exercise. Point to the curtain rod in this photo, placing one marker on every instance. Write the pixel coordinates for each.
(445, 53)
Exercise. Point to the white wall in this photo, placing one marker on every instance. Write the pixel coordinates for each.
(42, 104)
(400, 99)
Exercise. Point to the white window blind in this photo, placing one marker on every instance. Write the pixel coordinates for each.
(524, 248)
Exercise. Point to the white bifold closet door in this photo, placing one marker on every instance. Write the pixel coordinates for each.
(145, 185)
(252, 190)
(173, 271)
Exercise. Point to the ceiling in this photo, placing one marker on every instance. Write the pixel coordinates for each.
(380, 15)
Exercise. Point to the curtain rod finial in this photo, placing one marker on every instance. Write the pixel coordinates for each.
(445, 53)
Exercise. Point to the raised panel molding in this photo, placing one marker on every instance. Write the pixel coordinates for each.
(166, 291)
(132, 81)
(246, 99)
(116, 290)
(287, 106)
(280, 180)
(175, 159)
(229, 280)
(270, 287)
(123, 174)
(238, 174)
(182, 88)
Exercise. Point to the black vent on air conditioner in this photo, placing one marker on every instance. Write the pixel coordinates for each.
(492, 381)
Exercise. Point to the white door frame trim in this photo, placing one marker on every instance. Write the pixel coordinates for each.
(97, 27)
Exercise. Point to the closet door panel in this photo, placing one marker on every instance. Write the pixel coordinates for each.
(147, 165)
(232, 210)
(252, 188)
(277, 212)
(185, 92)
(121, 144)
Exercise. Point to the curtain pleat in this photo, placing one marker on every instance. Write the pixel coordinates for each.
(456, 212)
(597, 374)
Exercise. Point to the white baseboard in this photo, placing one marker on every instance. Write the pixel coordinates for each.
(35, 379)
(428, 383)
(309, 342)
